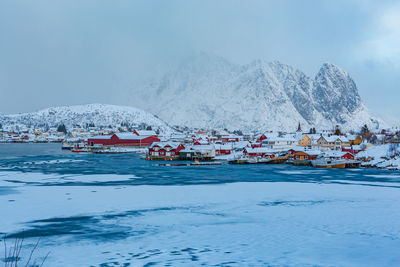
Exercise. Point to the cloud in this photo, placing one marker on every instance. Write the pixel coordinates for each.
(76, 52)
(383, 46)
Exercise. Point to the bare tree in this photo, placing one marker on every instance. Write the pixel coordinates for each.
(12, 254)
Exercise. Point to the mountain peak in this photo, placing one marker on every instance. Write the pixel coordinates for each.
(259, 63)
(332, 70)
(204, 60)
(258, 95)
(278, 63)
(335, 93)
(329, 65)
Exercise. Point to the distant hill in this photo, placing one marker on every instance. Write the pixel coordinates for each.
(97, 114)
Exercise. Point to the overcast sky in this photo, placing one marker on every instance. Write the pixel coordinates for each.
(74, 52)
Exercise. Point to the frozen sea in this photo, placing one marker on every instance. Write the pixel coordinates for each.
(121, 210)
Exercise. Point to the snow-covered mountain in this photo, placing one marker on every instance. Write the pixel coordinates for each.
(208, 91)
(97, 114)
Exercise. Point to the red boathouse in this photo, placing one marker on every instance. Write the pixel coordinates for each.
(165, 150)
(123, 139)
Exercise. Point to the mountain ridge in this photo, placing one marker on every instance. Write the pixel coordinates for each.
(211, 92)
(98, 114)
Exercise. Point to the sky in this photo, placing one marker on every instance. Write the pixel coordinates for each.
(75, 52)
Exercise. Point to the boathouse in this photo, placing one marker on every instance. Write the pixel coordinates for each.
(123, 139)
(334, 154)
(230, 138)
(259, 152)
(306, 155)
(165, 149)
(223, 149)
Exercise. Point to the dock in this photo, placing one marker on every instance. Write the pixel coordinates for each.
(199, 163)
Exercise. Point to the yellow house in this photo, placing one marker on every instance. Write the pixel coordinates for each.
(305, 141)
(37, 132)
(355, 140)
(332, 142)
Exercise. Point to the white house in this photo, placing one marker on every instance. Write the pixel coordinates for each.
(280, 142)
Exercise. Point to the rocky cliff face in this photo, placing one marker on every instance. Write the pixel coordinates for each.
(335, 94)
(214, 93)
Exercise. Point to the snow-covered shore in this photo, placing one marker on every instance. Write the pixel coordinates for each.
(382, 156)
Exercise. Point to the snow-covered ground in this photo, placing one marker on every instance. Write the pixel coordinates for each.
(232, 156)
(228, 224)
(382, 156)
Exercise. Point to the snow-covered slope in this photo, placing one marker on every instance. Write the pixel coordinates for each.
(98, 114)
(211, 92)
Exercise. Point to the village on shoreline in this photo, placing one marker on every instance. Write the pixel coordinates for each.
(327, 148)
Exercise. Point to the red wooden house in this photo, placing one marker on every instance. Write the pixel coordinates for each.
(353, 149)
(212, 138)
(230, 138)
(347, 155)
(306, 155)
(257, 144)
(200, 142)
(165, 150)
(223, 149)
(259, 152)
(338, 155)
(261, 138)
(122, 139)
